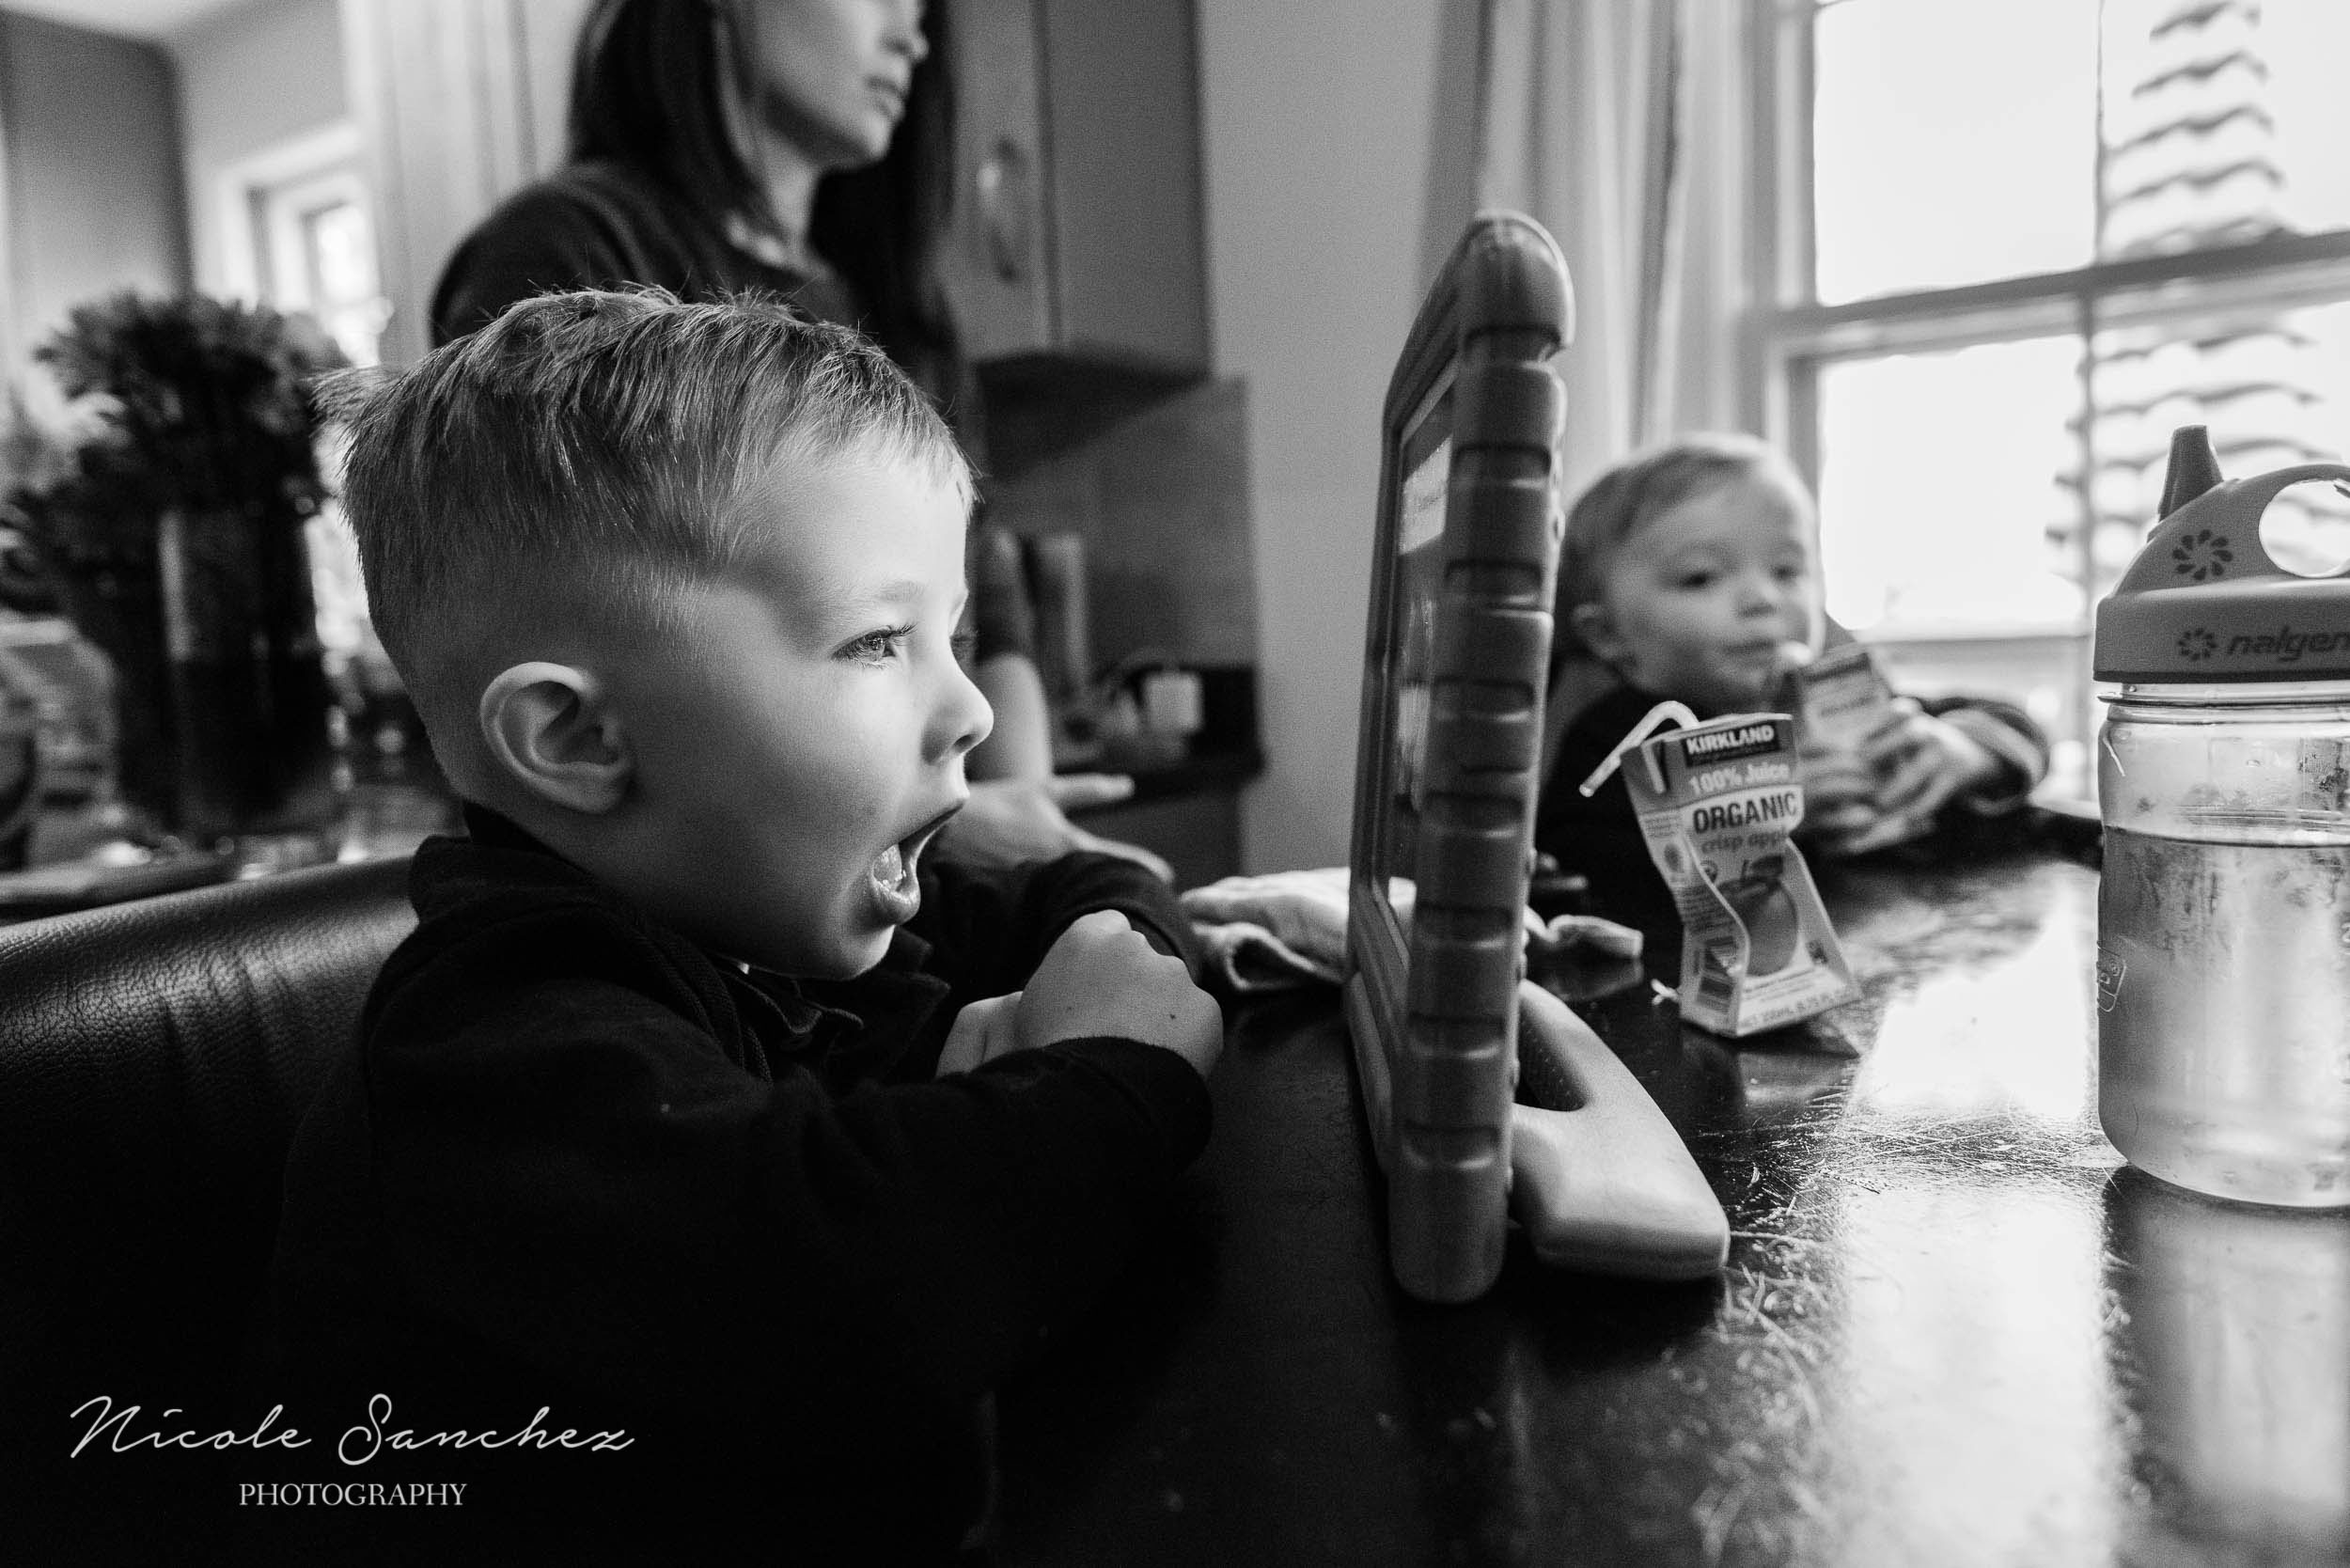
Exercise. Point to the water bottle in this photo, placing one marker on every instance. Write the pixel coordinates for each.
(2223, 777)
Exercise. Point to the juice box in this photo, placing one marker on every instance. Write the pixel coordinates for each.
(1840, 698)
(1717, 803)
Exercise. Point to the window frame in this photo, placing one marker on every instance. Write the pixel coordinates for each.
(263, 201)
(1796, 337)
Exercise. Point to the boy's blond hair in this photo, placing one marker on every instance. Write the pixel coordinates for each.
(583, 456)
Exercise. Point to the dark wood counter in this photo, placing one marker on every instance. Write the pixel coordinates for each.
(1952, 1329)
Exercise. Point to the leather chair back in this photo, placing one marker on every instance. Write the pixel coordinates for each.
(155, 1058)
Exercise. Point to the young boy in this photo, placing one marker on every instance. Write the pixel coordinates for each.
(1691, 572)
(701, 1119)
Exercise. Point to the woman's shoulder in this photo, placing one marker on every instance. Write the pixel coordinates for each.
(585, 226)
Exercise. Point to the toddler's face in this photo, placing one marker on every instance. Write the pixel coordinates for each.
(804, 741)
(1697, 602)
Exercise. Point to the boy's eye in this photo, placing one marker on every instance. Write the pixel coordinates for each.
(1692, 580)
(965, 644)
(878, 647)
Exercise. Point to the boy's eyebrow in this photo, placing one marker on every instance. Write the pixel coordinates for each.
(884, 596)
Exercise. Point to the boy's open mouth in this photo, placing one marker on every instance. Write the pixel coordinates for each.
(897, 889)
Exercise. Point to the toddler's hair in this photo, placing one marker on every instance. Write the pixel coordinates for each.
(599, 441)
(1628, 496)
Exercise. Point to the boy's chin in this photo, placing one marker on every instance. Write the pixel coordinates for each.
(843, 957)
(851, 956)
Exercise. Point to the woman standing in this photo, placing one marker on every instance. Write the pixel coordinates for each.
(800, 148)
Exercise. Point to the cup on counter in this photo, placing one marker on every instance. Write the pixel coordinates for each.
(1171, 703)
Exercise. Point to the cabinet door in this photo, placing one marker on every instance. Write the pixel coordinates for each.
(996, 257)
(1079, 233)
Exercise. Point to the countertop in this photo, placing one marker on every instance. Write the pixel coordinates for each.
(1953, 1329)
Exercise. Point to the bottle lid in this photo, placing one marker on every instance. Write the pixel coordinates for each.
(2204, 603)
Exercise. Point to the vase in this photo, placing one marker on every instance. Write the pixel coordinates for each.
(119, 610)
(244, 679)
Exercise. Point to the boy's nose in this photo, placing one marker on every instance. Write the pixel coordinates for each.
(906, 34)
(1761, 596)
(962, 719)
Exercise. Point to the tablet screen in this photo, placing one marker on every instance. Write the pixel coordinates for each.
(1426, 455)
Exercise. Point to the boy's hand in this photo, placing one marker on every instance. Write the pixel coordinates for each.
(1010, 821)
(1916, 764)
(1101, 978)
(1839, 797)
(982, 1031)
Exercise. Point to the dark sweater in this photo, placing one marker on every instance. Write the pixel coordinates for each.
(576, 1162)
(601, 225)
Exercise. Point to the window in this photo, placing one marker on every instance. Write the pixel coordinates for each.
(2010, 245)
(298, 232)
(319, 243)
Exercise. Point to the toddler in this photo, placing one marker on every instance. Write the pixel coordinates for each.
(1691, 572)
(702, 1108)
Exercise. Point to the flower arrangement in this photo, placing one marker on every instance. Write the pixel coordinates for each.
(166, 519)
(187, 402)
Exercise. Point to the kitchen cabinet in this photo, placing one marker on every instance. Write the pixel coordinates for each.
(1078, 240)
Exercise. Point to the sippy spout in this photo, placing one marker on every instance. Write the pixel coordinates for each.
(2194, 468)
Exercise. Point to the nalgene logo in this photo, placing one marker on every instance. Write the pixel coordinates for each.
(2285, 645)
(1714, 746)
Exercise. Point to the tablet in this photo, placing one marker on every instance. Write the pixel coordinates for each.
(1448, 752)
(1448, 770)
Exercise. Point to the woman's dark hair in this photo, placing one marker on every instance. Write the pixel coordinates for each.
(663, 84)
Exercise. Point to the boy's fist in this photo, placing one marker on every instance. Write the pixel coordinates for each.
(1102, 977)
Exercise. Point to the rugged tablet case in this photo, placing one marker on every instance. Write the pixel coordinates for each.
(1437, 1070)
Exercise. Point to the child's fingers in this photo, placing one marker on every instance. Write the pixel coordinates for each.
(1899, 732)
(1832, 788)
(1073, 791)
(1103, 978)
(1834, 838)
(1847, 817)
(1924, 782)
(1099, 926)
(982, 1031)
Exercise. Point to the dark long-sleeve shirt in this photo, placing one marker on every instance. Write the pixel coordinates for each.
(578, 1162)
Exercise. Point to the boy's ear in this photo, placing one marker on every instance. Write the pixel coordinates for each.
(551, 728)
(1597, 629)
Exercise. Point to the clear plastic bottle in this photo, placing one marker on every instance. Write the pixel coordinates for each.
(2223, 953)
(2223, 915)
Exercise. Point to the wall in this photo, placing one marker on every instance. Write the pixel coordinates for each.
(1158, 489)
(1322, 142)
(250, 79)
(90, 177)
(458, 101)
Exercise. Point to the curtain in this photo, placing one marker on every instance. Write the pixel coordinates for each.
(1618, 124)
